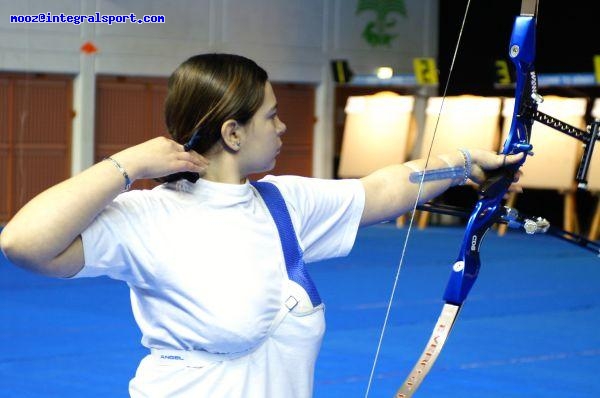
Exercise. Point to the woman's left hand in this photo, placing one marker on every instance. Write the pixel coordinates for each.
(483, 161)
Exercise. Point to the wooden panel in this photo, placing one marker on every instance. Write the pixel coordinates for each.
(158, 95)
(35, 139)
(5, 154)
(120, 116)
(129, 111)
(36, 169)
(5, 191)
(296, 108)
(42, 135)
(41, 112)
(4, 111)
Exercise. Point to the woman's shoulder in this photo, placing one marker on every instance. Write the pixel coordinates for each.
(294, 183)
(166, 192)
(284, 179)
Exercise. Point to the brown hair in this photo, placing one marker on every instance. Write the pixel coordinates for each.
(204, 92)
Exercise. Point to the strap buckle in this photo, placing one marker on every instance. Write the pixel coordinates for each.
(291, 303)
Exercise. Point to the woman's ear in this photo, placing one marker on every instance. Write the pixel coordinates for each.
(231, 135)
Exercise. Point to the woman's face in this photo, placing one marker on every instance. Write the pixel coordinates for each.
(262, 141)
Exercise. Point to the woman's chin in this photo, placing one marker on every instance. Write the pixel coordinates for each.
(265, 169)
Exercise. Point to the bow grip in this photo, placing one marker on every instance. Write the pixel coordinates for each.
(498, 182)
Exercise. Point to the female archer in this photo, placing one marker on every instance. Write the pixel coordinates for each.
(221, 308)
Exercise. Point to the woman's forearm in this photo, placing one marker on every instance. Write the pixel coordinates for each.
(390, 191)
(46, 226)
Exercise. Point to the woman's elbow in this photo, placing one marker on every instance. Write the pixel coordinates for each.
(21, 252)
(7, 243)
(16, 250)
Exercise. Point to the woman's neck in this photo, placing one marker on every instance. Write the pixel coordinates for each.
(223, 168)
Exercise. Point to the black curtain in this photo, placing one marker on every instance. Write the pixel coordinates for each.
(567, 39)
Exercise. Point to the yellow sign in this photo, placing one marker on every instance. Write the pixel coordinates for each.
(425, 71)
(502, 73)
(597, 67)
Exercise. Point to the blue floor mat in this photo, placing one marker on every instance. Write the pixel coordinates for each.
(529, 328)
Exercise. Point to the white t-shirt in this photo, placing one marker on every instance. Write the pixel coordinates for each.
(206, 271)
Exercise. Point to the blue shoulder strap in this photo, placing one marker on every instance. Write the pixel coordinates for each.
(292, 253)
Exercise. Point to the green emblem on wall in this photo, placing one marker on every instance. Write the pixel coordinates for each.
(377, 32)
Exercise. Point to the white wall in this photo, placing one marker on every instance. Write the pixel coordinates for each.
(293, 39)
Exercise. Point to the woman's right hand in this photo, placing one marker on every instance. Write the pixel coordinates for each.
(159, 157)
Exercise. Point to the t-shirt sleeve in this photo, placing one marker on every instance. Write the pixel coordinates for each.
(107, 239)
(326, 213)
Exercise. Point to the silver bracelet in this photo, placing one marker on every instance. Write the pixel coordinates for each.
(123, 171)
(468, 163)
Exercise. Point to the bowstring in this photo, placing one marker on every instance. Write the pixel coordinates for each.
(414, 209)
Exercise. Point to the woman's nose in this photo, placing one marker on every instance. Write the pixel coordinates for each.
(281, 128)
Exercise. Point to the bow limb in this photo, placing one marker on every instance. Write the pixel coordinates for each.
(488, 208)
